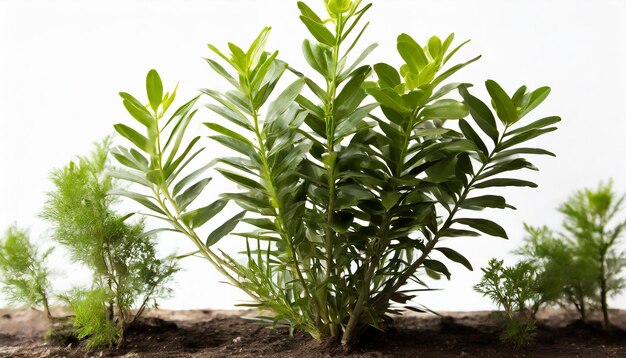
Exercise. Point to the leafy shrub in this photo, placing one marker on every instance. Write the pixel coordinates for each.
(568, 276)
(349, 202)
(592, 224)
(121, 256)
(517, 290)
(24, 272)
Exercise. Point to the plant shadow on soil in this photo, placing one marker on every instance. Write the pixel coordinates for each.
(203, 333)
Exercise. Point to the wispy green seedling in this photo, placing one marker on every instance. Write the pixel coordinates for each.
(126, 272)
(595, 224)
(24, 273)
(568, 275)
(517, 291)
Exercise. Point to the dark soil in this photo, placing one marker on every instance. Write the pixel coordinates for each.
(227, 334)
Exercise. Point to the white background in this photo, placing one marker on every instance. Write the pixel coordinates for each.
(62, 63)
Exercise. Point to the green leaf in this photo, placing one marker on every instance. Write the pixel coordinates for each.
(198, 217)
(388, 98)
(257, 47)
(487, 226)
(457, 233)
(348, 72)
(485, 201)
(137, 110)
(389, 199)
(445, 109)
(510, 165)
(504, 182)
(171, 165)
(235, 145)
(154, 88)
(141, 199)
(411, 53)
(219, 69)
(234, 116)
(471, 134)
(452, 70)
(284, 100)
(319, 31)
(132, 135)
(505, 108)
(481, 114)
(188, 196)
(524, 136)
(455, 256)
(318, 57)
(387, 75)
(536, 98)
(437, 266)
(126, 158)
(510, 152)
(306, 11)
(544, 122)
(241, 180)
(124, 175)
(264, 224)
(224, 229)
(227, 132)
(341, 221)
(189, 178)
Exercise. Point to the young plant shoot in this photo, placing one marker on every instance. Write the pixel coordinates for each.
(24, 274)
(517, 290)
(350, 184)
(568, 275)
(121, 256)
(593, 223)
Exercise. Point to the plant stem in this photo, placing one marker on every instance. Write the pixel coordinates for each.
(331, 167)
(373, 260)
(603, 295)
(46, 307)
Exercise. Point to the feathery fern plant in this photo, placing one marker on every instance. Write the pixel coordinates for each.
(594, 226)
(351, 184)
(121, 255)
(517, 290)
(24, 272)
(568, 274)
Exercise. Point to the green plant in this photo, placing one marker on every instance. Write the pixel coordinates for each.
(517, 290)
(92, 317)
(347, 204)
(591, 221)
(568, 276)
(24, 272)
(121, 256)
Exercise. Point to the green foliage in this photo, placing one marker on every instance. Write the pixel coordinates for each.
(24, 273)
(91, 317)
(568, 275)
(593, 225)
(121, 256)
(349, 184)
(582, 266)
(517, 290)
